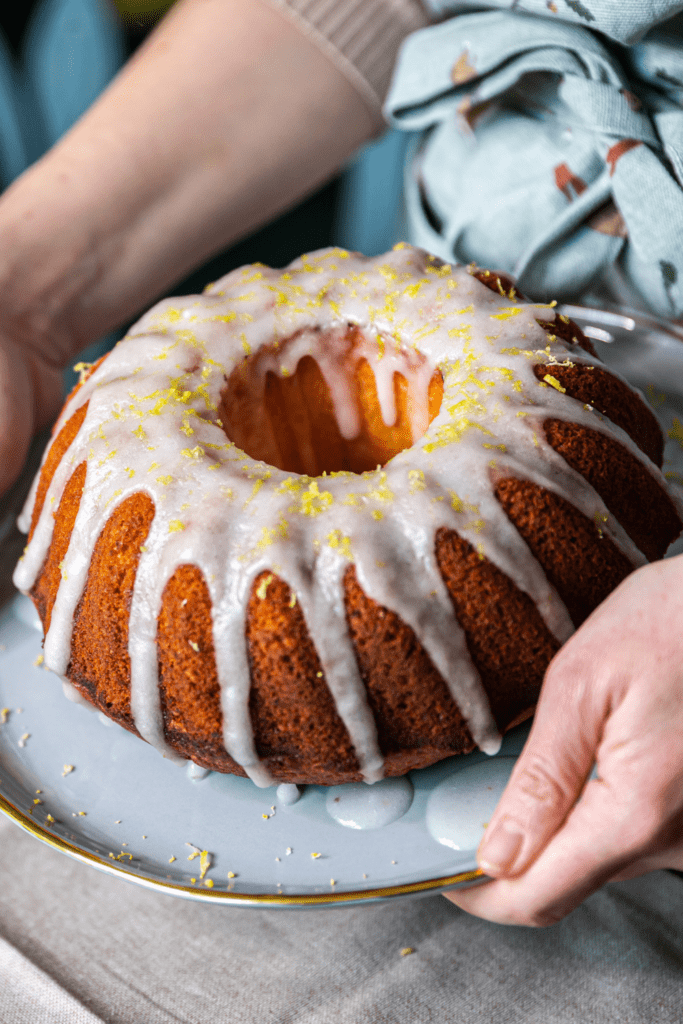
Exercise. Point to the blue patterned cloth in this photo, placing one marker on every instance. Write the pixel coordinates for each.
(547, 148)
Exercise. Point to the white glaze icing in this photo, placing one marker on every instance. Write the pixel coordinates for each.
(460, 808)
(288, 793)
(75, 696)
(152, 425)
(367, 807)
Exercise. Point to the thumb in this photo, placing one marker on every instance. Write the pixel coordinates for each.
(16, 420)
(550, 773)
(31, 392)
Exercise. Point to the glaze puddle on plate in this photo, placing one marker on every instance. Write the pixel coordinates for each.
(288, 793)
(367, 807)
(460, 807)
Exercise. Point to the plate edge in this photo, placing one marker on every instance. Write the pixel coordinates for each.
(223, 897)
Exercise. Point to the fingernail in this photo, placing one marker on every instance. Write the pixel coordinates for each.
(500, 847)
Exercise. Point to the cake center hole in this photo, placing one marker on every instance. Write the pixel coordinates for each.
(330, 399)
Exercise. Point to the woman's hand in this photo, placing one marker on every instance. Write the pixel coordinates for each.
(613, 697)
(30, 397)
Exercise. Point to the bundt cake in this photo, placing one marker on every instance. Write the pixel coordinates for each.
(333, 522)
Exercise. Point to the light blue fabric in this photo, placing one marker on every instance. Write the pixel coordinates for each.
(543, 150)
(626, 21)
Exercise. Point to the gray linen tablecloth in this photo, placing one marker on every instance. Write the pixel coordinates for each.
(80, 947)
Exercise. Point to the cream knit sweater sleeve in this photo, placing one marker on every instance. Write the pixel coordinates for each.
(361, 37)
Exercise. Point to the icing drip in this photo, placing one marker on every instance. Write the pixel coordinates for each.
(288, 793)
(75, 696)
(460, 807)
(357, 806)
(153, 424)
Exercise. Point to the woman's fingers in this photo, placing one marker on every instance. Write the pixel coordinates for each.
(550, 773)
(603, 839)
(573, 864)
(30, 397)
(16, 414)
(614, 697)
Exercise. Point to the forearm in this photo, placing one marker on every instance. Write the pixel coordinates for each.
(225, 117)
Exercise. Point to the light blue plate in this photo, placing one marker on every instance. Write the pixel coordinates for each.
(125, 810)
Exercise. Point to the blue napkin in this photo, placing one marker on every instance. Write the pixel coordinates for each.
(626, 21)
(547, 149)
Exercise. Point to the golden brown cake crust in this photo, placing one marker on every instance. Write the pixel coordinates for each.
(629, 491)
(597, 387)
(298, 732)
(582, 564)
(99, 648)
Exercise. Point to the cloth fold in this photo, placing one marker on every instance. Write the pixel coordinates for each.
(546, 151)
(28, 994)
(626, 21)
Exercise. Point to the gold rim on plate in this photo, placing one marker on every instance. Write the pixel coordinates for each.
(25, 822)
